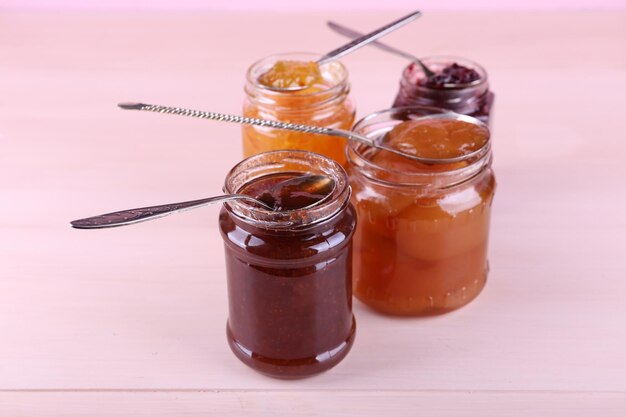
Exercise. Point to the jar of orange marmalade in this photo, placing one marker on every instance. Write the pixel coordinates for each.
(324, 101)
(421, 242)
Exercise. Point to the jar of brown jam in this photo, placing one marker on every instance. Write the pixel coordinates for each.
(323, 101)
(289, 271)
(421, 242)
(458, 84)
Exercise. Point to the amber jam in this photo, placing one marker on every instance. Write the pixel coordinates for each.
(421, 243)
(459, 85)
(289, 271)
(324, 102)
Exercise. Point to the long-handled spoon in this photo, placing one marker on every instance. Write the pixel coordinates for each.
(318, 130)
(357, 43)
(345, 31)
(320, 185)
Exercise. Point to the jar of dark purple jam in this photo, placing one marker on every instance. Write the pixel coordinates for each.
(289, 272)
(471, 98)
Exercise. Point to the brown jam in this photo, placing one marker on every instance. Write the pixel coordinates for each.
(289, 288)
(289, 191)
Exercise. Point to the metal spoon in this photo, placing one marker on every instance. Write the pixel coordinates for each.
(315, 184)
(318, 130)
(359, 42)
(345, 31)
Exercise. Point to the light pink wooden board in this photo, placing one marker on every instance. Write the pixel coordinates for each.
(313, 403)
(118, 322)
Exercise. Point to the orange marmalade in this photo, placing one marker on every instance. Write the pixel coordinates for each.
(421, 242)
(321, 100)
(290, 74)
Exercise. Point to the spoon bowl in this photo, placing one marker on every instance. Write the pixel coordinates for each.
(303, 191)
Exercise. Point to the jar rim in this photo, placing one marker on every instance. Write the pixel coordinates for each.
(336, 88)
(357, 152)
(267, 163)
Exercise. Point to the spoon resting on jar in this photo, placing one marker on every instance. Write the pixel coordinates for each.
(295, 76)
(345, 31)
(299, 192)
(451, 76)
(319, 130)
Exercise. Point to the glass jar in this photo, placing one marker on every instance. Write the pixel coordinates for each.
(421, 242)
(289, 272)
(472, 99)
(329, 106)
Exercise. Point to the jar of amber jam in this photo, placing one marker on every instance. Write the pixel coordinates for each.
(421, 242)
(325, 102)
(290, 271)
(460, 85)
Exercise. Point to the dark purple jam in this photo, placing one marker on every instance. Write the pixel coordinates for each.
(458, 85)
(454, 74)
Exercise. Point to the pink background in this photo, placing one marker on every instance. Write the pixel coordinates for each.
(289, 5)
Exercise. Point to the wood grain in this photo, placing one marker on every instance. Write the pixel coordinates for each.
(312, 403)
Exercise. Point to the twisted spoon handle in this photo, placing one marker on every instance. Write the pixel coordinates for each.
(131, 216)
(287, 126)
(247, 121)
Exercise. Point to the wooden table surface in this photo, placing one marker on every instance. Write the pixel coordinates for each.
(131, 321)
